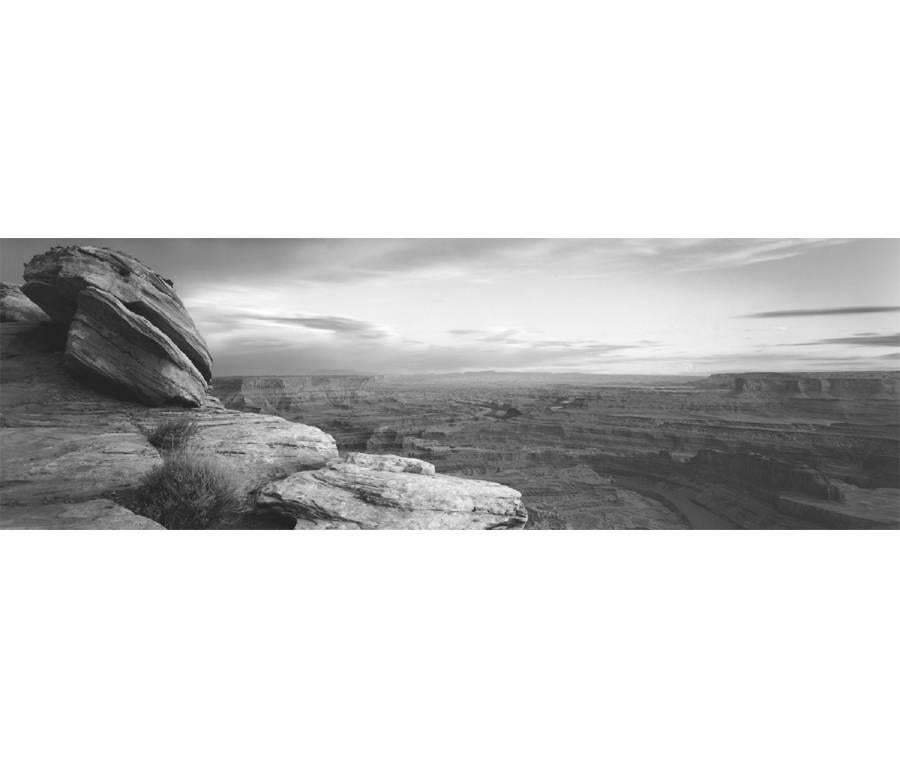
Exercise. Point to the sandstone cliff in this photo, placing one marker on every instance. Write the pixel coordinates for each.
(98, 351)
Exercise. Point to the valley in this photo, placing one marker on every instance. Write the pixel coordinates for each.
(731, 451)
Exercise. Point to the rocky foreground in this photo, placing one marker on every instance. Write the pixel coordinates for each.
(98, 351)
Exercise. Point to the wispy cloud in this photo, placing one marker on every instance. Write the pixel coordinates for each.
(514, 337)
(858, 340)
(823, 312)
(341, 325)
(354, 261)
(718, 254)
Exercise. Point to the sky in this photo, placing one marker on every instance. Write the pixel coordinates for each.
(624, 306)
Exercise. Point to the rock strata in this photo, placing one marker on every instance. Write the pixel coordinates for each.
(16, 307)
(348, 494)
(54, 280)
(110, 344)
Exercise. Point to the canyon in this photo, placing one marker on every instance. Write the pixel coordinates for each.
(747, 450)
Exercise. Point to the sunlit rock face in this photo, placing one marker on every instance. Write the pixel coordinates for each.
(389, 493)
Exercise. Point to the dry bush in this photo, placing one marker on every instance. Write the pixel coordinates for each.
(188, 492)
(539, 520)
(173, 434)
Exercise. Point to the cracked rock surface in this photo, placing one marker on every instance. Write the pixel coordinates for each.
(394, 494)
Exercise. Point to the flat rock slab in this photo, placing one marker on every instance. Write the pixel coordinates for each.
(347, 495)
(49, 464)
(97, 514)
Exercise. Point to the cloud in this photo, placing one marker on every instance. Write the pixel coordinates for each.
(514, 337)
(859, 340)
(341, 325)
(823, 312)
(723, 253)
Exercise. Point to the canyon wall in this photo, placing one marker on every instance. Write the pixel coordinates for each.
(862, 385)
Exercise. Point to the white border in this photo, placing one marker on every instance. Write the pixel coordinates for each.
(464, 119)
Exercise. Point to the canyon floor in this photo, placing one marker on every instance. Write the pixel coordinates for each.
(750, 451)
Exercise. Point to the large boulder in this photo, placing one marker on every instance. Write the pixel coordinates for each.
(120, 350)
(53, 281)
(16, 307)
(395, 495)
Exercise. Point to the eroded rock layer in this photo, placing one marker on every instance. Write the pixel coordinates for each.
(397, 495)
(115, 347)
(53, 281)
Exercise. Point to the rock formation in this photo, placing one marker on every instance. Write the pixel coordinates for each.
(85, 386)
(128, 330)
(54, 279)
(392, 492)
(16, 307)
(114, 346)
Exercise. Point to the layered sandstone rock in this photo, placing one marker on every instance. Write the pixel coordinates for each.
(54, 280)
(110, 344)
(349, 494)
(15, 306)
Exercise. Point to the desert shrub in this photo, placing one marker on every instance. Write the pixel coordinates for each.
(540, 520)
(188, 492)
(173, 434)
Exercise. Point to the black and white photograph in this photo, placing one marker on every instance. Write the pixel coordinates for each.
(451, 384)
(464, 384)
